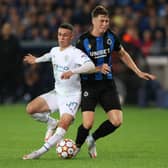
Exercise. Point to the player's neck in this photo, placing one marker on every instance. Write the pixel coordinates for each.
(64, 47)
(96, 33)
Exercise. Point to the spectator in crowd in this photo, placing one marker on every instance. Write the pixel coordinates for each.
(10, 68)
(158, 46)
(147, 42)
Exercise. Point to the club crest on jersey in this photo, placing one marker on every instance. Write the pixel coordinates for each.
(89, 46)
(109, 41)
(85, 93)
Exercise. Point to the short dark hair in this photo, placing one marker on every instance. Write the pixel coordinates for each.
(99, 10)
(67, 26)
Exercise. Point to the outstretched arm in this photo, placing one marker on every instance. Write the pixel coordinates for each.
(125, 57)
(29, 59)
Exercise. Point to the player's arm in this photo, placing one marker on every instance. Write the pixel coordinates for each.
(104, 68)
(87, 67)
(31, 59)
(125, 57)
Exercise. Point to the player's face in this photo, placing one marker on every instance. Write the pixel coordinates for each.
(100, 24)
(64, 37)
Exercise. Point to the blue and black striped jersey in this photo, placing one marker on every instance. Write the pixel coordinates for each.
(99, 49)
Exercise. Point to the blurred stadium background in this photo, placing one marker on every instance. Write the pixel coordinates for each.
(29, 26)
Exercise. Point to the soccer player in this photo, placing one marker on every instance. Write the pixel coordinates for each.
(99, 87)
(68, 62)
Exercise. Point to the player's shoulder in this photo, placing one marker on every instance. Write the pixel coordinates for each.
(76, 50)
(81, 39)
(112, 34)
(54, 49)
(109, 31)
(84, 35)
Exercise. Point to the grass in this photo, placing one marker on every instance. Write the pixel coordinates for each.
(141, 142)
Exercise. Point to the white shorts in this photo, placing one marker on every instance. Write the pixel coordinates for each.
(63, 104)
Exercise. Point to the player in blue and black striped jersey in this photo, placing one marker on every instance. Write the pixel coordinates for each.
(99, 50)
(99, 87)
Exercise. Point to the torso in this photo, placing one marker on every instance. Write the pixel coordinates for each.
(63, 61)
(99, 49)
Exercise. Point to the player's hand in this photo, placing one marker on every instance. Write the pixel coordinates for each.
(66, 75)
(105, 68)
(146, 76)
(30, 59)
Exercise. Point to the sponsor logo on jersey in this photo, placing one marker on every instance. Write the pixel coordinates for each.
(60, 68)
(100, 53)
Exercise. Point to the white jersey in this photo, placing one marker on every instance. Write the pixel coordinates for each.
(62, 61)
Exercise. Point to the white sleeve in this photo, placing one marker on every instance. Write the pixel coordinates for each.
(45, 58)
(87, 67)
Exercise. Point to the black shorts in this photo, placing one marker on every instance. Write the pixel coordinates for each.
(102, 92)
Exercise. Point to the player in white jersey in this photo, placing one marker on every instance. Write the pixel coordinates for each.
(68, 62)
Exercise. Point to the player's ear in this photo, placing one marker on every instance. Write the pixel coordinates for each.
(92, 21)
(72, 35)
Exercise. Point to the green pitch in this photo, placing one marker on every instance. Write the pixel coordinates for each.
(141, 142)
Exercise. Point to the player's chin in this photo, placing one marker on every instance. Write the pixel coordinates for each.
(102, 31)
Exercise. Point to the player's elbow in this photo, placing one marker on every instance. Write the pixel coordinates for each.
(91, 67)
